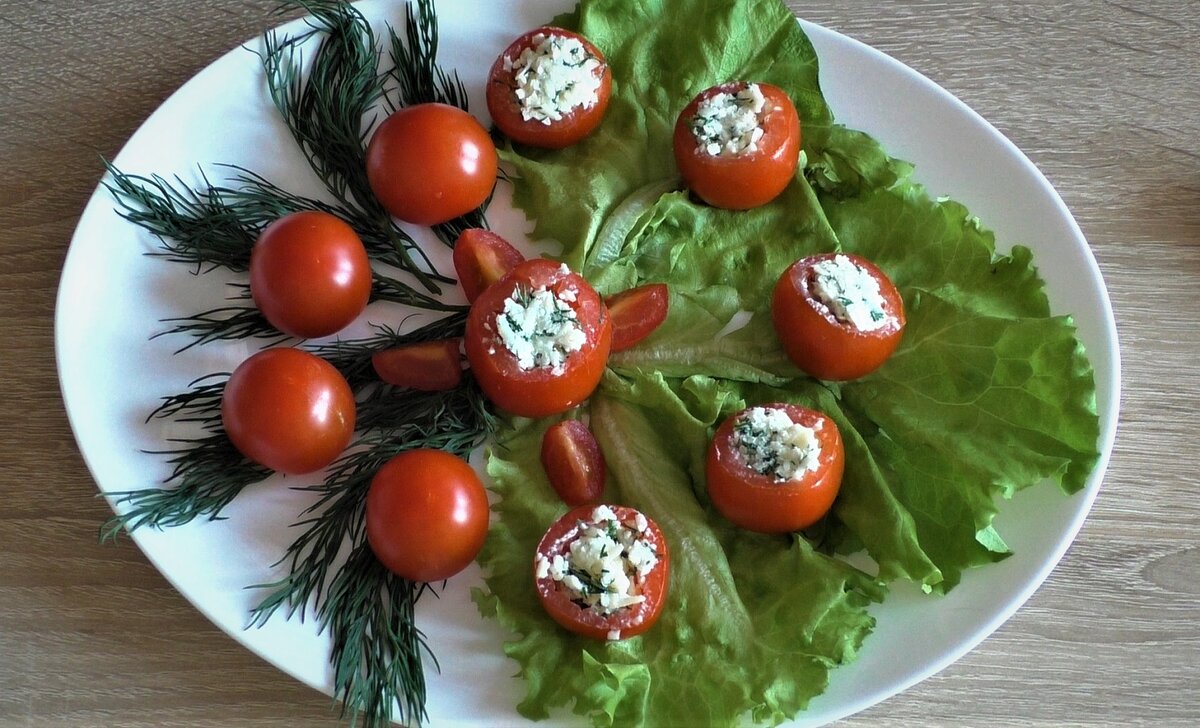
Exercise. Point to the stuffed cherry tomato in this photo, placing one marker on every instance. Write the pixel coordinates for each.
(538, 340)
(430, 163)
(426, 514)
(737, 144)
(430, 366)
(573, 462)
(549, 88)
(481, 257)
(636, 313)
(288, 410)
(775, 468)
(838, 316)
(309, 274)
(602, 572)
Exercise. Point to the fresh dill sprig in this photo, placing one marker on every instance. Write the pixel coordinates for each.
(353, 357)
(419, 79)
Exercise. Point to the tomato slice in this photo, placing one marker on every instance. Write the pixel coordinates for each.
(526, 121)
(739, 180)
(552, 363)
(481, 257)
(573, 462)
(749, 494)
(431, 366)
(823, 343)
(636, 313)
(572, 610)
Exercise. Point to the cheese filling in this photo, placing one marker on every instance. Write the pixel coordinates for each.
(554, 77)
(771, 444)
(540, 329)
(730, 124)
(850, 293)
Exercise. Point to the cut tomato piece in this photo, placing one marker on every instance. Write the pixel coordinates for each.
(573, 462)
(636, 313)
(481, 257)
(431, 366)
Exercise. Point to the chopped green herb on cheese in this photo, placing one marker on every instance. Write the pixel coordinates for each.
(540, 328)
(730, 124)
(850, 293)
(771, 444)
(554, 77)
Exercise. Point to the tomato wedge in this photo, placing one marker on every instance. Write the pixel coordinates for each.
(481, 257)
(838, 316)
(431, 366)
(603, 572)
(538, 340)
(573, 462)
(636, 313)
(765, 476)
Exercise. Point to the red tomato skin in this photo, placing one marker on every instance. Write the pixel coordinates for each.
(757, 502)
(746, 180)
(431, 366)
(636, 313)
(426, 515)
(430, 163)
(816, 341)
(573, 462)
(310, 274)
(481, 257)
(630, 622)
(537, 392)
(288, 410)
(505, 108)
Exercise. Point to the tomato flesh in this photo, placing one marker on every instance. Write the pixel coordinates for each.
(820, 344)
(542, 390)
(430, 163)
(431, 366)
(288, 410)
(757, 501)
(310, 274)
(636, 313)
(481, 257)
(588, 621)
(751, 178)
(505, 107)
(426, 515)
(573, 462)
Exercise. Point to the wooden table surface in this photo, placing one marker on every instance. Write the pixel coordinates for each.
(1103, 96)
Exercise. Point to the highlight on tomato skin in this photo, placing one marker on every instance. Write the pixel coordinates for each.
(830, 340)
(430, 366)
(775, 468)
(637, 313)
(573, 462)
(521, 76)
(481, 258)
(729, 164)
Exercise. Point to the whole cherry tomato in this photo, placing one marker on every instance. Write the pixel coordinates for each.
(309, 274)
(427, 515)
(754, 497)
(722, 167)
(822, 339)
(430, 163)
(538, 366)
(554, 95)
(573, 462)
(481, 257)
(288, 410)
(565, 606)
(636, 313)
(430, 366)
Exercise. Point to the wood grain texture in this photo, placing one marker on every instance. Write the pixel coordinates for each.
(1103, 96)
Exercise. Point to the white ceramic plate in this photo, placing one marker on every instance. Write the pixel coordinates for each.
(112, 297)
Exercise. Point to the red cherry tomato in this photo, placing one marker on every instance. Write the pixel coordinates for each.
(636, 313)
(522, 122)
(427, 515)
(309, 274)
(538, 391)
(573, 462)
(739, 181)
(431, 366)
(817, 340)
(430, 163)
(288, 410)
(481, 257)
(589, 621)
(758, 501)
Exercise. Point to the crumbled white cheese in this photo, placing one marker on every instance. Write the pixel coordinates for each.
(771, 444)
(540, 329)
(730, 124)
(553, 77)
(605, 564)
(850, 293)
